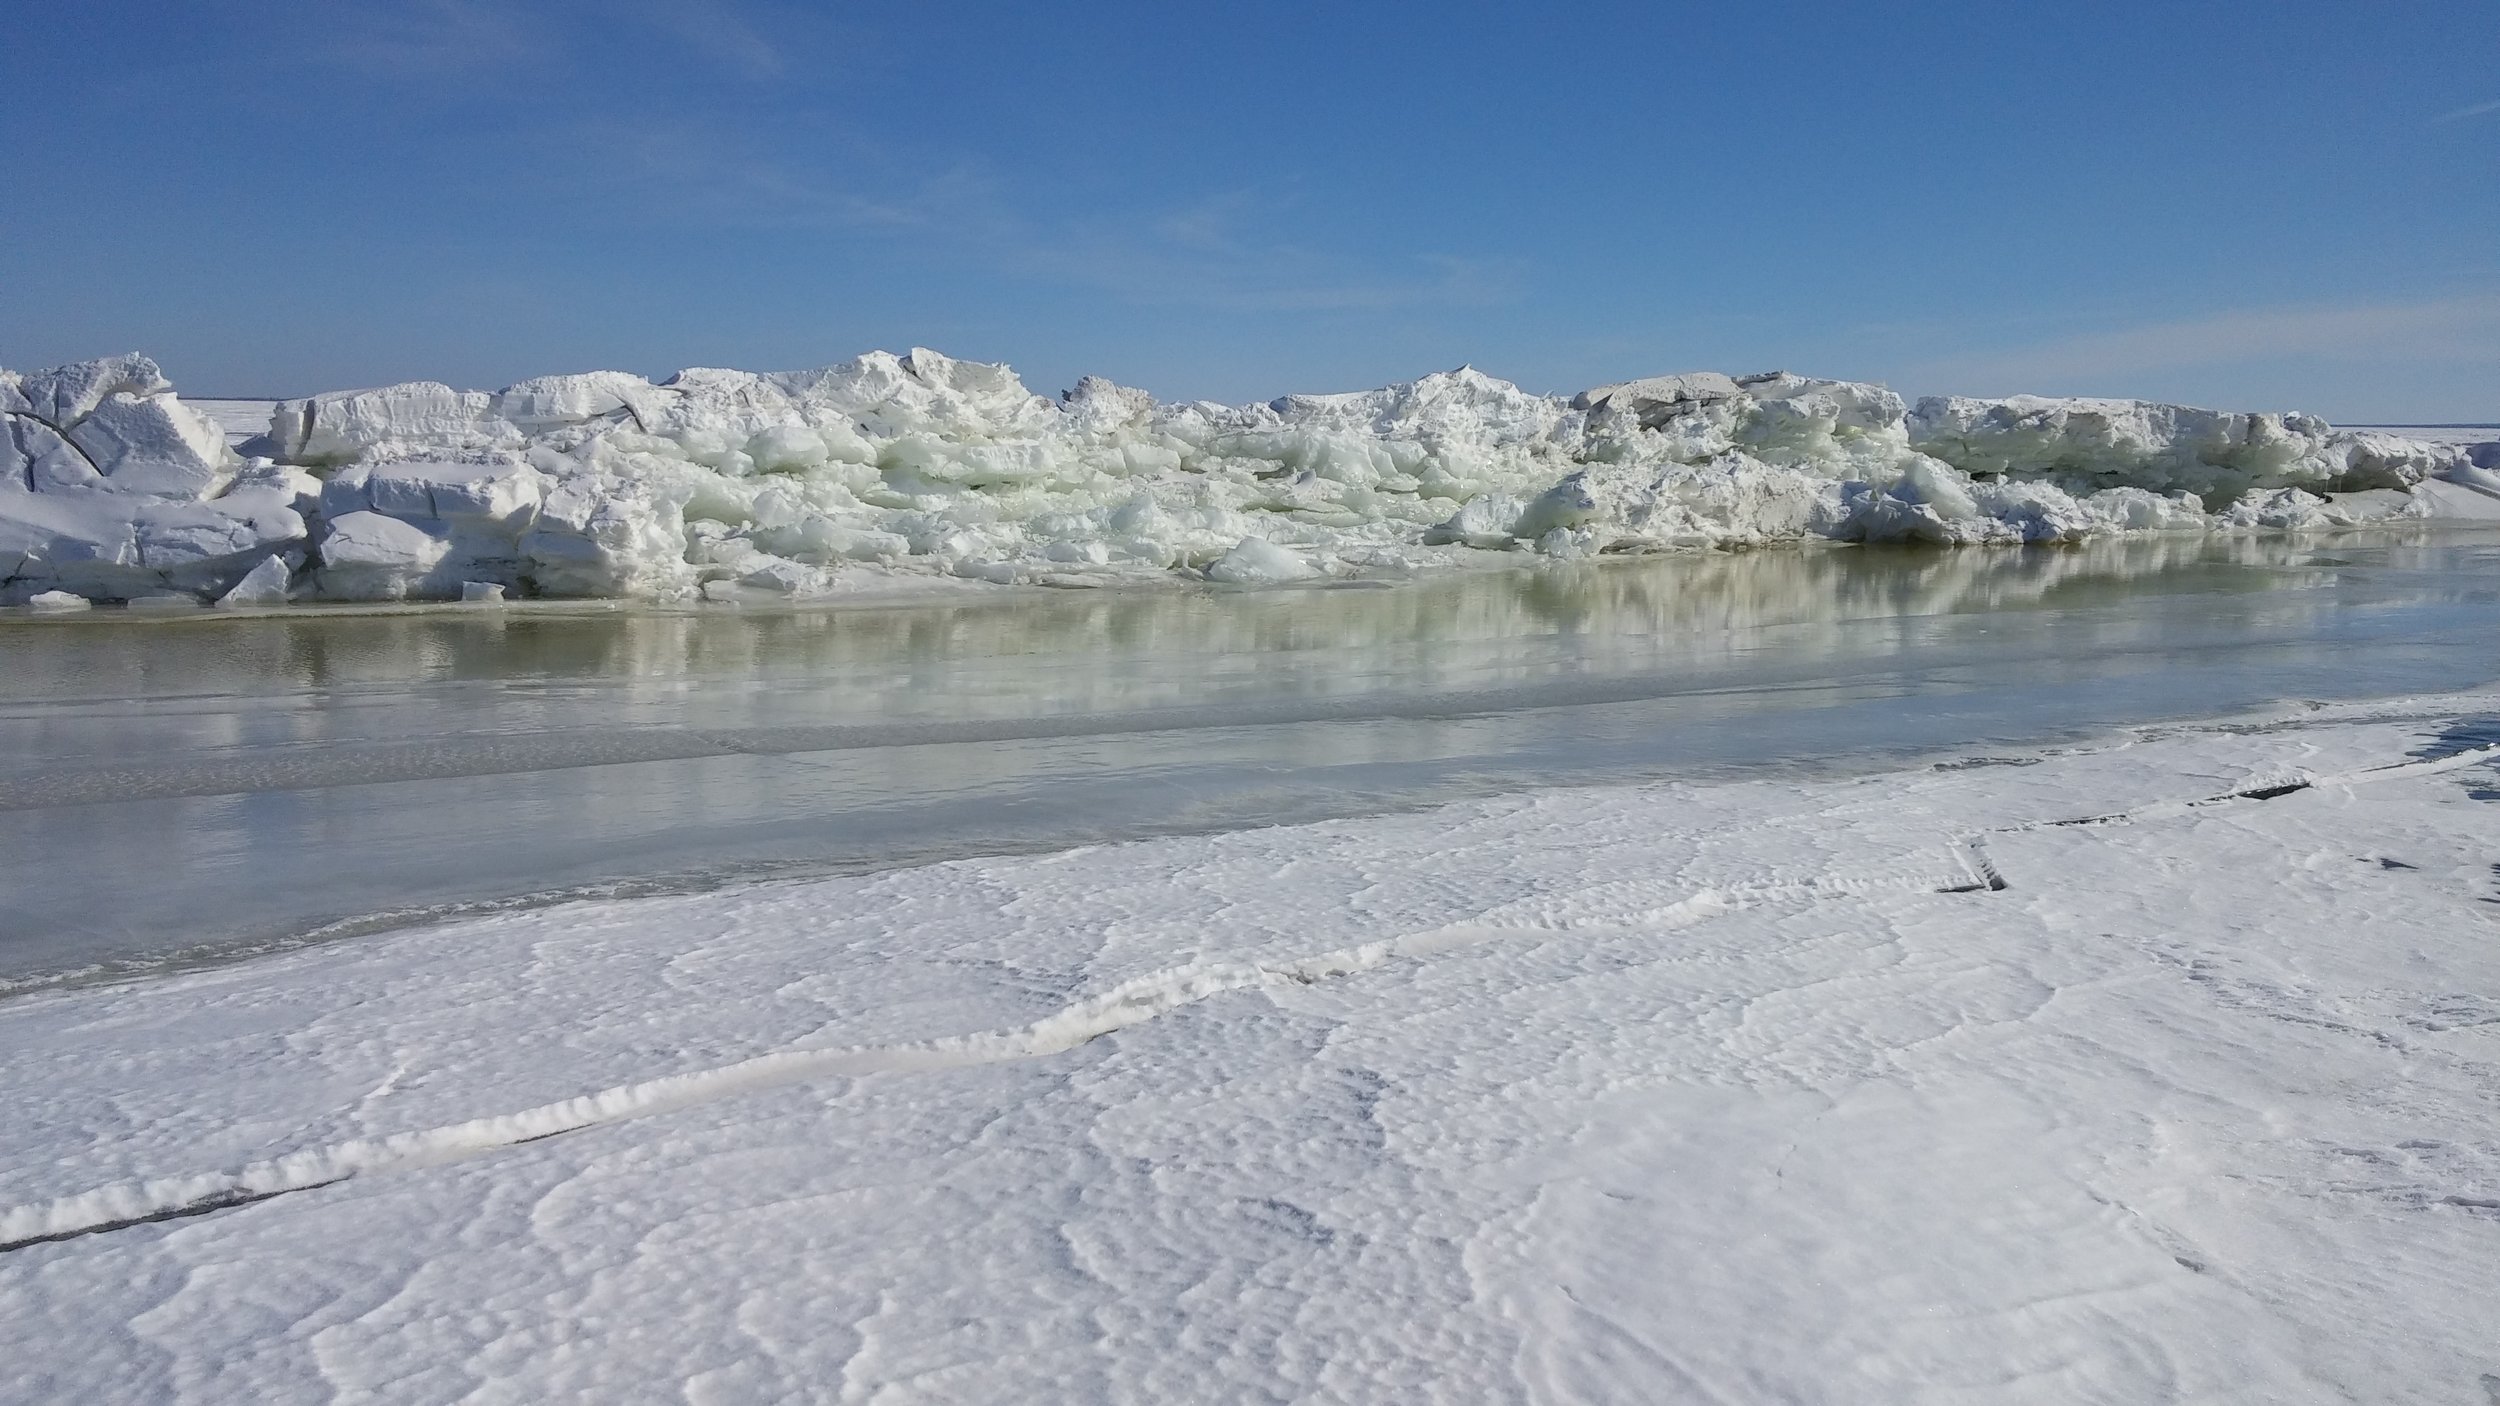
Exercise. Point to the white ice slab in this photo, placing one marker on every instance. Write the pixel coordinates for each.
(2153, 1070)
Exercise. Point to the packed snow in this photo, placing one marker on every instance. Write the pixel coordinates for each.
(736, 486)
(2159, 1068)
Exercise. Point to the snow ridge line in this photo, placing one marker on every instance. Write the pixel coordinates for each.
(58, 433)
(1972, 850)
(1132, 1002)
(2283, 784)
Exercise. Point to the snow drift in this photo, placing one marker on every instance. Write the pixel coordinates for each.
(731, 485)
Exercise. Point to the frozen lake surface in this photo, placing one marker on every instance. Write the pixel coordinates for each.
(193, 787)
(2158, 1067)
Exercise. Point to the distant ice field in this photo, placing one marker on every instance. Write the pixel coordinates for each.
(2156, 1067)
(192, 787)
(239, 420)
(2437, 434)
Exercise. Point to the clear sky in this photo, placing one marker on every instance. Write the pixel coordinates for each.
(2290, 204)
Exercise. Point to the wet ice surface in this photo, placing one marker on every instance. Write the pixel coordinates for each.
(202, 785)
(2154, 1068)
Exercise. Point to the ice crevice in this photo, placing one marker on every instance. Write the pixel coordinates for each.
(1963, 866)
(28, 462)
(925, 472)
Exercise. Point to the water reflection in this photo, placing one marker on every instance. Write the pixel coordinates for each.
(1634, 605)
(170, 783)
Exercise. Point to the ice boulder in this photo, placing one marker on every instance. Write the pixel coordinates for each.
(371, 556)
(65, 395)
(1730, 499)
(1255, 561)
(108, 547)
(36, 458)
(205, 547)
(265, 584)
(502, 496)
(599, 537)
(113, 424)
(1487, 520)
(1654, 400)
(1101, 408)
(344, 426)
(550, 402)
(153, 444)
(112, 489)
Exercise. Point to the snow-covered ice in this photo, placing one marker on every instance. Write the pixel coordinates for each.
(738, 486)
(2159, 1068)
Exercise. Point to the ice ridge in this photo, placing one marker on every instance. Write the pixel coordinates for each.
(732, 485)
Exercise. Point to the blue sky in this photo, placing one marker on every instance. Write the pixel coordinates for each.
(2282, 205)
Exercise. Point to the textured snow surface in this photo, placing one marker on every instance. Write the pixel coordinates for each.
(2160, 1069)
(733, 485)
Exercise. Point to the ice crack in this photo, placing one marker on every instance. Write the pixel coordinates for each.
(1128, 1004)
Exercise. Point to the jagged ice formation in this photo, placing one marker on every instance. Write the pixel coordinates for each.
(731, 485)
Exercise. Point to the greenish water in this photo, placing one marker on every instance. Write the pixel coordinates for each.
(189, 787)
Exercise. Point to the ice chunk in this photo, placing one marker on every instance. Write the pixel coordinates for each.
(58, 601)
(591, 539)
(108, 546)
(501, 494)
(36, 458)
(64, 395)
(2475, 476)
(111, 423)
(1486, 521)
(1654, 400)
(206, 547)
(369, 556)
(1563, 507)
(547, 402)
(152, 444)
(788, 449)
(481, 593)
(2460, 499)
(265, 584)
(344, 426)
(84, 542)
(1255, 561)
(1099, 407)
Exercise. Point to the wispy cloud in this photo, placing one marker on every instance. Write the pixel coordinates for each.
(1244, 250)
(718, 180)
(714, 29)
(435, 40)
(2463, 113)
(2464, 327)
(1231, 251)
(1224, 252)
(428, 38)
(1277, 280)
